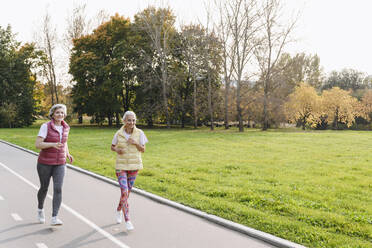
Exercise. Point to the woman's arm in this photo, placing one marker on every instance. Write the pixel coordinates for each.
(138, 146)
(117, 149)
(69, 156)
(40, 144)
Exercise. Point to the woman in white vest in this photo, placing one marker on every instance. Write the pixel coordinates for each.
(128, 142)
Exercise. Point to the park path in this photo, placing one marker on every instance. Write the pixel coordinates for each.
(88, 210)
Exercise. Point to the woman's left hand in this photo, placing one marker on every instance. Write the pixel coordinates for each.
(70, 157)
(131, 141)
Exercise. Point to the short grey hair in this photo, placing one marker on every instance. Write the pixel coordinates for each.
(129, 113)
(55, 107)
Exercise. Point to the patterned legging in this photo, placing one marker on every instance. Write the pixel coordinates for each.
(126, 180)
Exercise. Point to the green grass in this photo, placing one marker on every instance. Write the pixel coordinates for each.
(313, 188)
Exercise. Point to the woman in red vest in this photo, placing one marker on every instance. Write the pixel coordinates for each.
(52, 140)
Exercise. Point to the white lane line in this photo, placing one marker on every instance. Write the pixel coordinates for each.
(16, 217)
(41, 245)
(1, 198)
(88, 222)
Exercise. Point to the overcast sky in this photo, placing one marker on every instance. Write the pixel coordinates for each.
(339, 31)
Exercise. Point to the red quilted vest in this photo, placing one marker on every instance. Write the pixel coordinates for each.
(53, 156)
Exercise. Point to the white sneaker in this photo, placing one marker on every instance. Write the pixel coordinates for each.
(41, 216)
(119, 216)
(55, 221)
(129, 226)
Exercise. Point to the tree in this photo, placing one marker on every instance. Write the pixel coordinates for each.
(8, 114)
(184, 68)
(366, 104)
(340, 107)
(303, 106)
(194, 42)
(17, 104)
(212, 64)
(77, 26)
(223, 32)
(100, 65)
(47, 41)
(275, 36)
(346, 79)
(148, 102)
(240, 23)
(159, 26)
(299, 68)
(41, 105)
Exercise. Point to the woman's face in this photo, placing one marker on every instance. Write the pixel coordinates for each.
(130, 121)
(58, 114)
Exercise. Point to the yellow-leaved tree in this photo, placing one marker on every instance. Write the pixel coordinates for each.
(303, 106)
(367, 105)
(338, 106)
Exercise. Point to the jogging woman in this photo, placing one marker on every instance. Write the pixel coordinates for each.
(128, 142)
(51, 163)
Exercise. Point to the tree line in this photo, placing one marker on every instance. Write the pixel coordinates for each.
(233, 70)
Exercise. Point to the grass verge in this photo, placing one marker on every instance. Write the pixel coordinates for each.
(313, 188)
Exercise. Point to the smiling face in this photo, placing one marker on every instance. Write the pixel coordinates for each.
(130, 121)
(58, 114)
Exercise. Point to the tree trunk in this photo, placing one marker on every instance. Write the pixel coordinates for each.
(210, 102)
(227, 87)
(117, 119)
(124, 102)
(164, 81)
(182, 112)
(51, 91)
(80, 118)
(335, 121)
(109, 116)
(303, 123)
(127, 100)
(195, 110)
(265, 125)
(52, 72)
(183, 119)
(150, 122)
(238, 108)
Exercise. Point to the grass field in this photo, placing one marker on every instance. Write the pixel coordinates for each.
(313, 188)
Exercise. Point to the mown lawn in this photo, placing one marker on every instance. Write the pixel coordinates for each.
(313, 188)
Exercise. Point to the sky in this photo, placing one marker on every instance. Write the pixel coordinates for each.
(338, 31)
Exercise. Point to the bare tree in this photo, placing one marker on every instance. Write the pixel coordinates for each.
(159, 25)
(275, 36)
(223, 32)
(213, 59)
(239, 23)
(101, 17)
(47, 41)
(77, 26)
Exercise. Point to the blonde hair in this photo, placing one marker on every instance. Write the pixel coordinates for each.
(55, 107)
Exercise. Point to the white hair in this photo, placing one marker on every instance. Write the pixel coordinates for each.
(55, 107)
(129, 113)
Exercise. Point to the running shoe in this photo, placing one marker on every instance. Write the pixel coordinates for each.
(129, 225)
(55, 221)
(41, 216)
(119, 216)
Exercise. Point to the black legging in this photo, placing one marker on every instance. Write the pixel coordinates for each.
(45, 173)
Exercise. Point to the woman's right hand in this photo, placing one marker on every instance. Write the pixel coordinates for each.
(120, 151)
(58, 145)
